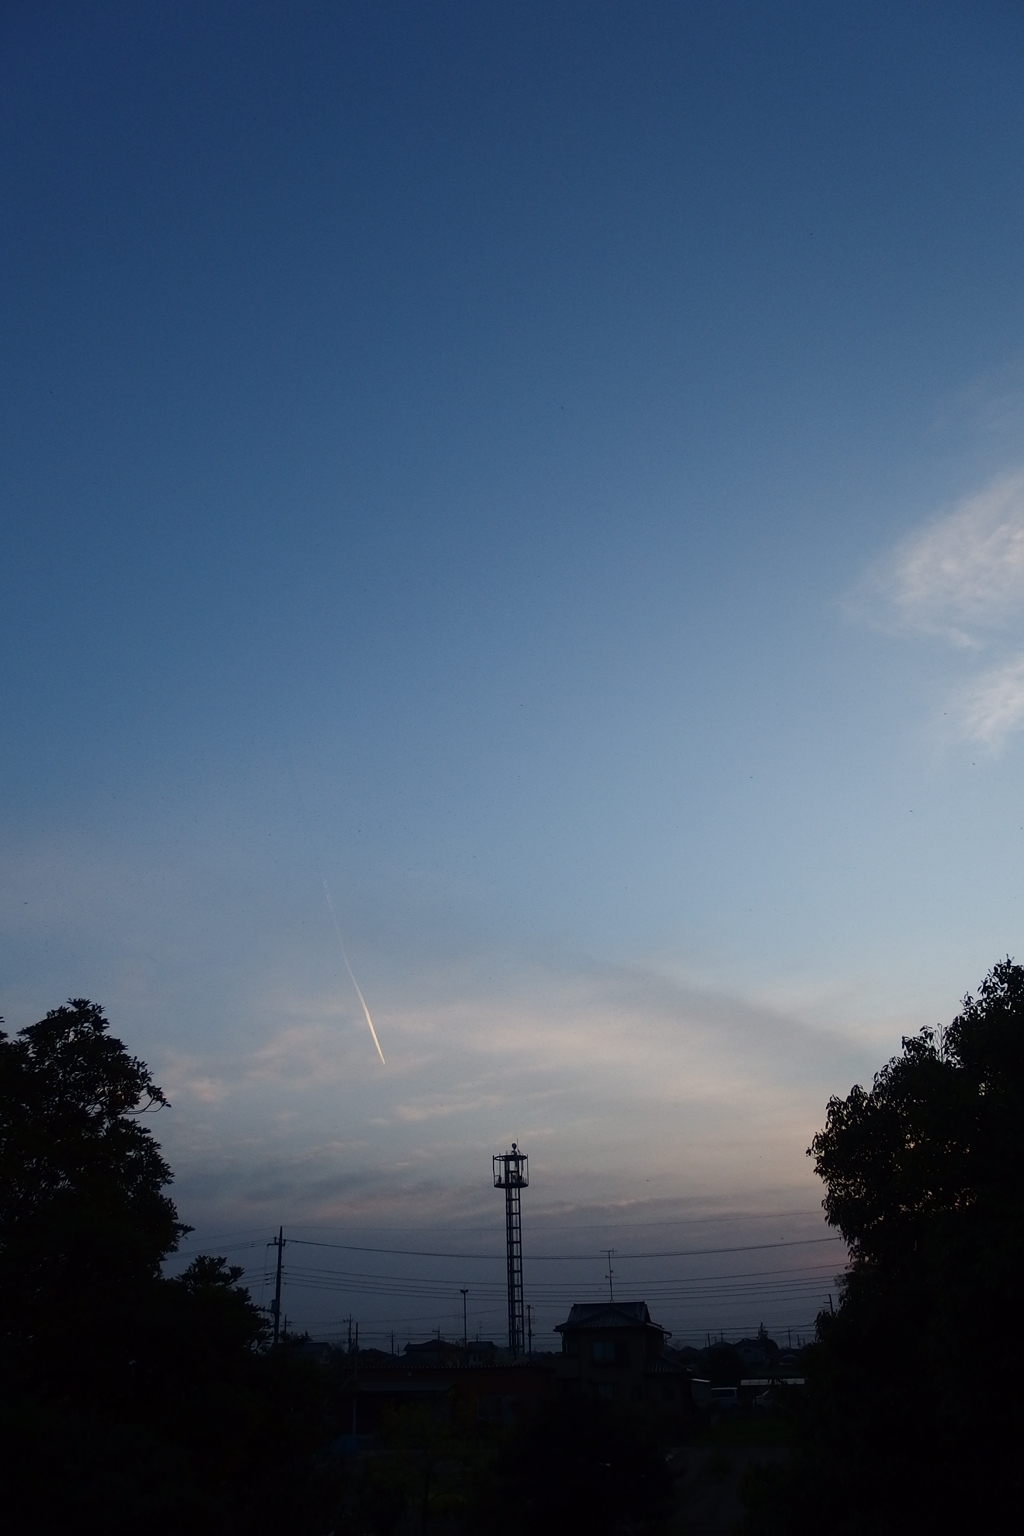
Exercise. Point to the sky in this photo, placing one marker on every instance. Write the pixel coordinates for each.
(552, 477)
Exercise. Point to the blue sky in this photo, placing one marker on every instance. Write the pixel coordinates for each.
(554, 472)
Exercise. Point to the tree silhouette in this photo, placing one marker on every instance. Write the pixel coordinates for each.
(914, 1416)
(84, 1220)
(127, 1399)
(577, 1465)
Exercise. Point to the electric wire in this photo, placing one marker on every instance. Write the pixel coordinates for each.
(562, 1258)
(675, 1295)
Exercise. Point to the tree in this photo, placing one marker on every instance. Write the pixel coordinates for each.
(913, 1420)
(128, 1399)
(84, 1220)
(577, 1465)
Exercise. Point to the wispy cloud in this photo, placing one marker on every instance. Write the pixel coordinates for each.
(962, 575)
(960, 578)
(991, 707)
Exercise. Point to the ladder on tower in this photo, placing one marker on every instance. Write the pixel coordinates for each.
(512, 1174)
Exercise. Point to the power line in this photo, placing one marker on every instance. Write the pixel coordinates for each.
(234, 1244)
(769, 1284)
(569, 1258)
(809, 1274)
(692, 1253)
(675, 1294)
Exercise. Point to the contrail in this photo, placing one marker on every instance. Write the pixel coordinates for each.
(330, 905)
(341, 945)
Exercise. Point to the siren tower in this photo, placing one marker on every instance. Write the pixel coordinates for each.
(512, 1173)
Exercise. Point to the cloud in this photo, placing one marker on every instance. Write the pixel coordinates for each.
(992, 706)
(617, 1079)
(960, 578)
(962, 575)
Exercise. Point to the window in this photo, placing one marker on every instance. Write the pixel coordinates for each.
(610, 1351)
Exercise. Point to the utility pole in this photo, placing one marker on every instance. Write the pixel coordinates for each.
(529, 1330)
(464, 1291)
(611, 1293)
(277, 1243)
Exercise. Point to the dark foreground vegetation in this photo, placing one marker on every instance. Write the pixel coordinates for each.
(129, 1401)
(913, 1416)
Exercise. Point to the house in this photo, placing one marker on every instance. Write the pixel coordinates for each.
(758, 1355)
(614, 1350)
(485, 1387)
(434, 1352)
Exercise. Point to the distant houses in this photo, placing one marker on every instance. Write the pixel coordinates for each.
(613, 1351)
(617, 1352)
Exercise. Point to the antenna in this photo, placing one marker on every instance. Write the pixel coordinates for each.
(512, 1173)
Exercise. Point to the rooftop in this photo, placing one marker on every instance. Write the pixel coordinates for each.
(609, 1314)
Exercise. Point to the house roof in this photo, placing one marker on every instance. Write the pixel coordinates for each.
(608, 1314)
(663, 1367)
(431, 1347)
